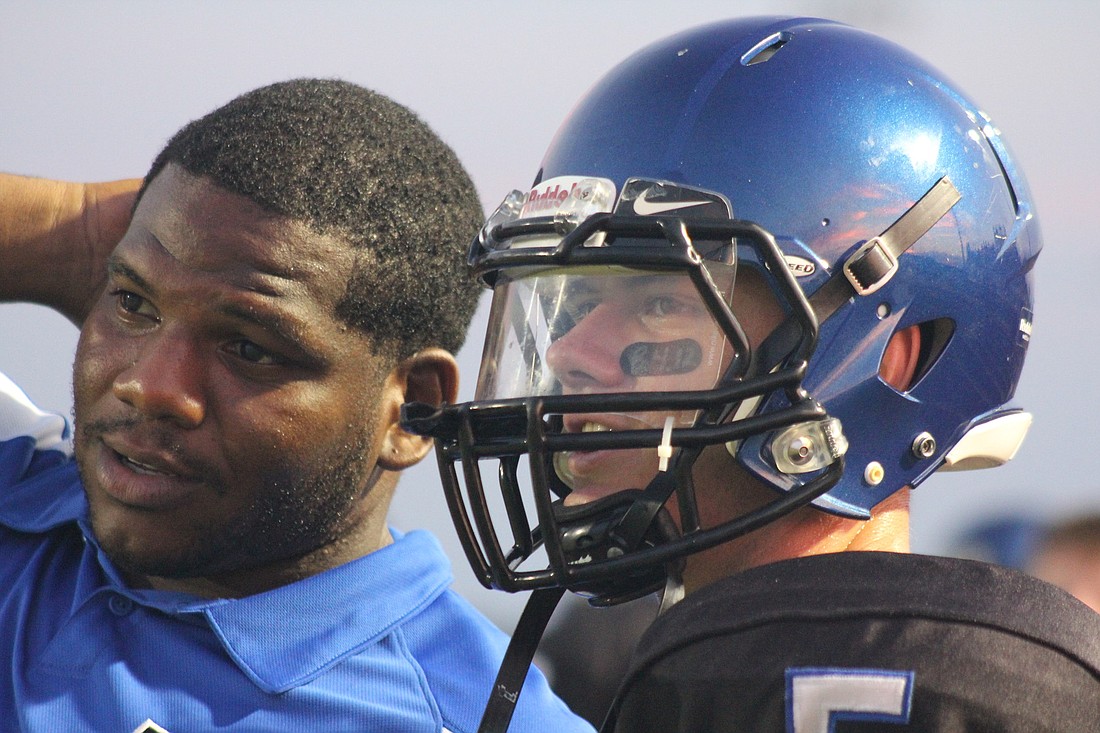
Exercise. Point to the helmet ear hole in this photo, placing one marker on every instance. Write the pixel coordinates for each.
(934, 337)
(912, 351)
(901, 357)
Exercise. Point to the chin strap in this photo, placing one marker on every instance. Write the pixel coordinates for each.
(873, 264)
(525, 641)
(673, 591)
(517, 660)
(869, 268)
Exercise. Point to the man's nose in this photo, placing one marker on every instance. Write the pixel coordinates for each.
(587, 356)
(165, 381)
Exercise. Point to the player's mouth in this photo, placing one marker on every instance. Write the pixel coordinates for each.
(142, 478)
(142, 467)
(598, 473)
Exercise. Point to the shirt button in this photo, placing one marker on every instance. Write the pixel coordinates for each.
(120, 605)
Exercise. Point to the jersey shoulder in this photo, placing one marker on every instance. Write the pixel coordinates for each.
(924, 643)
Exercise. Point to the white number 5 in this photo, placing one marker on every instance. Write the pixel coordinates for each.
(818, 697)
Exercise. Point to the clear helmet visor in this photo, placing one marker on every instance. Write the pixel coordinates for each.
(638, 306)
(605, 329)
(586, 328)
(600, 329)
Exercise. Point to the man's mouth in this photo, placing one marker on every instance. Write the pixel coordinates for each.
(591, 474)
(608, 423)
(142, 477)
(563, 460)
(142, 468)
(580, 468)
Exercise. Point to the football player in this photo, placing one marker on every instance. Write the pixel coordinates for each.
(772, 274)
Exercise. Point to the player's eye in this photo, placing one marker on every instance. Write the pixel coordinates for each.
(667, 306)
(253, 353)
(578, 309)
(129, 303)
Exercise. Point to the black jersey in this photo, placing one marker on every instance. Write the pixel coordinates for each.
(868, 641)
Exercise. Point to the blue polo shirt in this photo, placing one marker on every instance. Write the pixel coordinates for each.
(379, 644)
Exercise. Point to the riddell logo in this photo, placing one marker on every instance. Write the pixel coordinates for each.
(548, 200)
(800, 266)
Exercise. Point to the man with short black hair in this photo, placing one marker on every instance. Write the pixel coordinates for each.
(209, 548)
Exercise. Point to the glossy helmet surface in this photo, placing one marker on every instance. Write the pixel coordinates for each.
(822, 136)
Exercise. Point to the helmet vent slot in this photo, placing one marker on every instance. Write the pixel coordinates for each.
(767, 48)
(935, 335)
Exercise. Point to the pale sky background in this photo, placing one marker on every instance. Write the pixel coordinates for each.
(92, 90)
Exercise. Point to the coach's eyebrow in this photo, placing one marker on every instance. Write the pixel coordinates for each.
(115, 266)
(286, 329)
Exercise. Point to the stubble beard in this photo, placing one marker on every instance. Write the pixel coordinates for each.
(301, 509)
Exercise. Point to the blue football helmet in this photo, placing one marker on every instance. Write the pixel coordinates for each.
(796, 161)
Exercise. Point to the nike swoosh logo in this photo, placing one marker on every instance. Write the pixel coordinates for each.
(645, 207)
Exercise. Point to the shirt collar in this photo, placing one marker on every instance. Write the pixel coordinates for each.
(335, 613)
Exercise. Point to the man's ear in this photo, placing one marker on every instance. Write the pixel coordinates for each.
(429, 376)
(899, 362)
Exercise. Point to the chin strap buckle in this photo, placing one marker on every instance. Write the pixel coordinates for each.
(875, 262)
(870, 267)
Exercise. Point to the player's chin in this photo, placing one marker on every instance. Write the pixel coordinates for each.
(593, 475)
(136, 555)
(586, 492)
(150, 543)
(578, 497)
